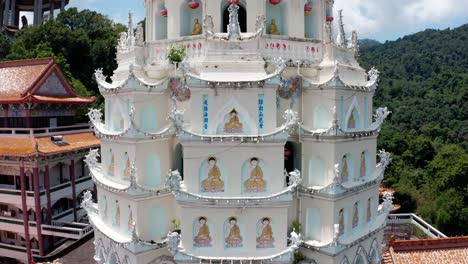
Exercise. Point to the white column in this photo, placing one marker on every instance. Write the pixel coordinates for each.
(40, 11)
(296, 18)
(173, 18)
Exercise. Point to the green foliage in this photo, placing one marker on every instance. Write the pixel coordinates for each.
(176, 54)
(4, 45)
(425, 84)
(298, 257)
(296, 225)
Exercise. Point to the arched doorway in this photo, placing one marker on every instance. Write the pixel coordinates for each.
(242, 18)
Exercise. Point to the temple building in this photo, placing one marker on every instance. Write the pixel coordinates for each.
(42, 171)
(10, 19)
(238, 132)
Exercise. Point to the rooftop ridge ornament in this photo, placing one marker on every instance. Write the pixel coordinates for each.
(233, 29)
(341, 40)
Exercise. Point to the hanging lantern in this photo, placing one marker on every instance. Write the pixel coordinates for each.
(193, 4)
(330, 19)
(275, 2)
(164, 12)
(307, 9)
(230, 2)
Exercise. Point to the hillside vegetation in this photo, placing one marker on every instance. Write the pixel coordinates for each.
(425, 83)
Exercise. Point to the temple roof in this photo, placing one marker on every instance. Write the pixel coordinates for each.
(43, 146)
(37, 81)
(428, 251)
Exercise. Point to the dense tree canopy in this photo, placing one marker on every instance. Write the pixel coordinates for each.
(425, 84)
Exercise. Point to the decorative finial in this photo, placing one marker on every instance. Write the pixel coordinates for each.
(341, 40)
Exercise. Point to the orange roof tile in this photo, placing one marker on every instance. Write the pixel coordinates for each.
(19, 81)
(429, 251)
(43, 146)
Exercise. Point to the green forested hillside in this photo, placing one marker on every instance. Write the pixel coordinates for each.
(425, 83)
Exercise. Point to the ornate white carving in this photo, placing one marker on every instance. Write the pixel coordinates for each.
(177, 117)
(295, 178)
(233, 29)
(295, 239)
(92, 158)
(100, 75)
(341, 40)
(87, 200)
(291, 118)
(139, 36)
(385, 158)
(353, 41)
(173, 240)
(208, 25)
(95, 115)
(374, 75)
(174, 181)
(329, 32)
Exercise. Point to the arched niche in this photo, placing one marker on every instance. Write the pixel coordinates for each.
(160, 25)
(364, 164)
(178, 160)
(361, 256)
(202, 231)
(374, 254)
(188, 17)
(158, 223)
(312, 23)
(118, 117)
(226, 115)
(114, 259)
(321, 117)
(255, 176)
(265, 233)
(242, 16)
(234, 233)
(149, 118)
(317, 173)
(346, 168)
(356, 215)
(292, 156)
(313, 229)
(353, 116)
(279, 13)
(152, 169)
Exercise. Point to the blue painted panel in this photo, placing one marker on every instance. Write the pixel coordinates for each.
(158, 223)
(152, 170)
(316, 172)
(313, 224)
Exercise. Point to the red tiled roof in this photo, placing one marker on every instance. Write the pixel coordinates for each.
(20, 79)
(452, 250)
(43, 146)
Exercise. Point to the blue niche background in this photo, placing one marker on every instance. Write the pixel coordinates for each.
(203, 174)
(227, 229)
(245, 126)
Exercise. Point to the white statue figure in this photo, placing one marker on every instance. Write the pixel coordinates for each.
(295, 178)
(123, 41)
(353, 41)
(208, 25)
(329, 32)
(233, 29)
(337, 173)
(260, 25)
(87, 199)
(173, 181)
(380, 115)
(139, 36)
(387, 204)
(280, 64)
(173, 239)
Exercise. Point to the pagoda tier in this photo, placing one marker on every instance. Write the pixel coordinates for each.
(245, 147)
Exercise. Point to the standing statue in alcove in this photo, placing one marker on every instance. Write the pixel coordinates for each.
(24, 21)
(273, 28)
(197, 28)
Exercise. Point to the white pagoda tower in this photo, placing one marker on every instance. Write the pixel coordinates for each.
(256, 143)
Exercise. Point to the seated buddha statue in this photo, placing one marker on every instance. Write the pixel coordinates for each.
(255, 183)
(213, 182)
(117, 213)
(273, 28)
(130, 218)
(233, 125)
(234, 238)
(127, 170)
(265, 240)
(197, 28)
(202, 239)
(112, 163)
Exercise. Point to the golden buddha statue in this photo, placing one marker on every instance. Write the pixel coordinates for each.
(344, 170)
(117, 213)
(197, 28)
(341, 222)
(255, 183)
(233, 125)
(213, 182)
(234, 238)
(112, 163)
(203, 239)
(363, 164)
(273, 28)
(265, 240)
(130, 218)
(127, 170)
(352, 121)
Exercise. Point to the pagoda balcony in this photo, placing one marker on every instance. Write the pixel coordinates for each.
(11, 196)
(307, 51)
(45, 131)
(16, 252)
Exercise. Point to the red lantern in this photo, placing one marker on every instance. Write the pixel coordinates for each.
(329, 19)
(164, 12)
(275, 2)
(230, 2)
(193, 4)
(307, 9)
